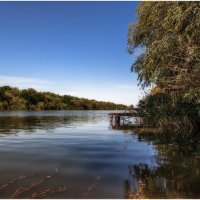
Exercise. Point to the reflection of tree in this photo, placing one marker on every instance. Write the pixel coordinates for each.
(16, 124)
(177, 174)
(157, 183)
(139, 188)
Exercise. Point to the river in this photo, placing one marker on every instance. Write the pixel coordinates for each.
(77, 154)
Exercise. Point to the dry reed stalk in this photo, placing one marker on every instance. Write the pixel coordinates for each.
(140, 193)
(14, 180)
(48, 191)
(92, 186)
(34, 184)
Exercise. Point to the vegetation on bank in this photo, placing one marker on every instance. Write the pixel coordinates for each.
(11, 98)
(167, 35)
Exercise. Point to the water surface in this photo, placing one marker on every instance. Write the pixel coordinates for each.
(81, 151)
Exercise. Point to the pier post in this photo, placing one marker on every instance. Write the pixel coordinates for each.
(117, 119)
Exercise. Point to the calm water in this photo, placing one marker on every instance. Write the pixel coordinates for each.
(80, 151)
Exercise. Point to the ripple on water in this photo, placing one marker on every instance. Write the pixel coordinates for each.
(79, 144)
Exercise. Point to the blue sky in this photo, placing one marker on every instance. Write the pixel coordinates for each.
(76, 48)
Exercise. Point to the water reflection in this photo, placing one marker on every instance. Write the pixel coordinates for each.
(14, 122)
(176, 173)
(94, 161)
(91, 159)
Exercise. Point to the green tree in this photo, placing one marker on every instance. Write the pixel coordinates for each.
(30, 99)
(168, 34)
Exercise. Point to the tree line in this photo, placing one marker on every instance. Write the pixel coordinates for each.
(12, 98)
(167, 35)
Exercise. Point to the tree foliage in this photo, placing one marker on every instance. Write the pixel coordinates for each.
(167, 35)
(30, 99)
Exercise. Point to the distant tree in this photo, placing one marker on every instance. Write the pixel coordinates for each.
(30, 99)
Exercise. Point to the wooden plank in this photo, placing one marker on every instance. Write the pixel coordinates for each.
(121, 114)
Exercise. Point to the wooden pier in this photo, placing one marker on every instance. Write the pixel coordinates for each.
(128, 118)
(118, 116)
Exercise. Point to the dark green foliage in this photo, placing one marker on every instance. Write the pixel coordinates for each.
(171, 112)
(30, 99)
